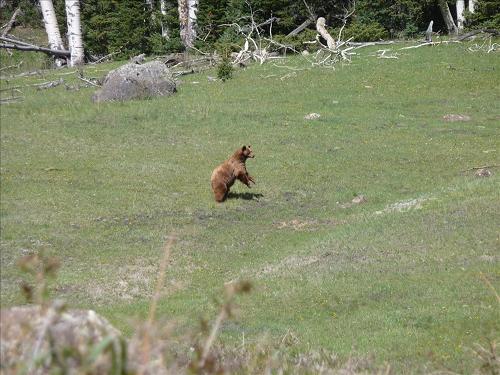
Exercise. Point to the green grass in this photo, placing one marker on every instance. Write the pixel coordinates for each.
(101, 186)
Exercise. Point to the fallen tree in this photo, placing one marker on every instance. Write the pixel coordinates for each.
(23, 46)
(492, 32)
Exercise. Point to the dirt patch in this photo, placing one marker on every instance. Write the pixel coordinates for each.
(296, 224)
(404, 206)
(358, 199)
(129, 282)
(456, 118)
(288, 264)
(304, 224)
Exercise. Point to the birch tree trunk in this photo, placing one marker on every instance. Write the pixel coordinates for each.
(52, 28)
(472, 6)
(460, 14)
(163, 11)
(187, 21)
(448, 19)
(75, 40)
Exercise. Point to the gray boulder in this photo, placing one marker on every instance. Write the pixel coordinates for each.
(40, 341)
(136, 81)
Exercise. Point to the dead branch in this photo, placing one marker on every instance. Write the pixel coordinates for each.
(12, 66)
(10, 88)
(301, 27)
(190, 71)
(107, 57)
(335, 50)
(9, 24)
(482, 167)
(48, 85)
(256, 46)
(430, 44)
(475, 32)
(11, 100)
(24, 74)
(312, 15)
(14, 40)
(48, 51)
(367, 44)
(347, 14)
(381, 54)
(88, 81)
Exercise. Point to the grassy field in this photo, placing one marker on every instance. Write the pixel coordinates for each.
(400, 277)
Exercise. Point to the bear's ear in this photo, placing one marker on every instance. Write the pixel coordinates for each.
(243, 148)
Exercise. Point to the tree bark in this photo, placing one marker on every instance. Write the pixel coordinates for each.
(460, 4)
(51, 28)
(187, 21)
(163, 11)
(428, 33)
(448, 19)
(75, 40)
(300, 28)
(321, 27)
(472, 6)
(48, 51)
(9, 25)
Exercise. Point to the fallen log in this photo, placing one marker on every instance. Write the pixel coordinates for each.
(475, 32)
(48, 85)
(11, 100)
(14, 40)
(301, 27)
(48, 51)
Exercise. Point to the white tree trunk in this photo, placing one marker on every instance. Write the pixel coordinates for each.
(163, 10)
(187, 21)
(75, 40)
(448, 19)
(52, 28)
(321, 28)
(460, 14)
(472, 6)
(428, 33)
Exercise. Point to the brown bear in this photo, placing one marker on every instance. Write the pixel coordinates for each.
(224, 175)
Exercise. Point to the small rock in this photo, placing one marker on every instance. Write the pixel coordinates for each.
(359, 199)
(305, 53)
(139, 59)
(455, 118)
(312, 116)
(483, 172)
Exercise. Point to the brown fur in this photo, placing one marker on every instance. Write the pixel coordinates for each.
(234, 168)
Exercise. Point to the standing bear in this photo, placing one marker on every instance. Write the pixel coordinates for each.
(224, 175)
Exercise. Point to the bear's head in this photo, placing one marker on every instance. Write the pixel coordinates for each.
(247, 152)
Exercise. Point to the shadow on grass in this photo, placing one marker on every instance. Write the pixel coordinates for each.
(245, 196)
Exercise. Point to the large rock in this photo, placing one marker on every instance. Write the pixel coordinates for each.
(39, 341)
(136, 81)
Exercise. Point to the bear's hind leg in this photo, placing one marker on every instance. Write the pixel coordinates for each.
(220, 193)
